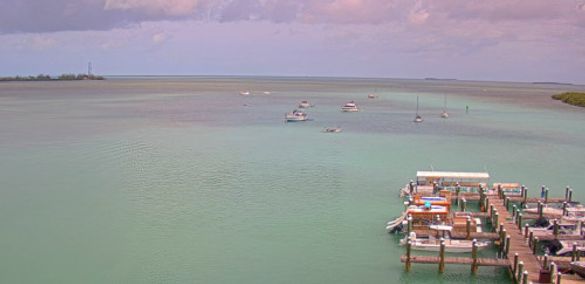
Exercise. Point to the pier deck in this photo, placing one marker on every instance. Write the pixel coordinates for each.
(457, 260)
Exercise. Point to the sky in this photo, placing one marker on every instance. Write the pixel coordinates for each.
(501, 40)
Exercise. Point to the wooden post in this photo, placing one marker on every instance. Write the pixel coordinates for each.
(520, 221)
(559, 276)
(553, 271)
(507, 203)
(525, 277)
(507, 249)
(442, 256)
(555, 228)
(574, 254)
(526, 231)
(468, 228)
(463, 205)
(546, 196)
(520, 270)
(531, 239)
(567, 193)
(502, 243)
(545, 261)
(496, 217)
(514, 209)
(474, 256)
(457, 190)
(565, 213)
(409, 225)
(515, 267)
(540, 209)
(535, 245)
(525, 196)
(570, 194)
(408, 248)
(491, 213)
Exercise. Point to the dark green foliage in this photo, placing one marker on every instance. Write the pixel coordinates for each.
(572, 98)
(63, 77)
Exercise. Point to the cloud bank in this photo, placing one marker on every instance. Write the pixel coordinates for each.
(33, 16)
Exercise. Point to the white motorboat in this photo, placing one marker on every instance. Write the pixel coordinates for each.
(296, 115)
(434, 244)
(305, 104)
(244, 93)
(350, 106)
(332, 130)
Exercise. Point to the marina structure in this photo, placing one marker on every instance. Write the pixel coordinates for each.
(519, 247)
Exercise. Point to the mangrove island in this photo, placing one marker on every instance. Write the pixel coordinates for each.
(62, 77)
(572, 98)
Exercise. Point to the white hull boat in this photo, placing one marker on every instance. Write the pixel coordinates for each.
(433, 244)
(296, 116)
(350, 107)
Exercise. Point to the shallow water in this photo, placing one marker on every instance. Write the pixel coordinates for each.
(180, 179)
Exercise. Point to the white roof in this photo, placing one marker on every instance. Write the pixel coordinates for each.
(452, 174)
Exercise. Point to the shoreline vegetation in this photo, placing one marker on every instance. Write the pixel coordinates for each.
(572, 98)
(62, 77)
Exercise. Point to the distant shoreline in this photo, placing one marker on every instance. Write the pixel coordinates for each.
(43, 77)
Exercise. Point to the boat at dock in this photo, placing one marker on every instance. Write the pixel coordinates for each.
(434, 244)
(350, 106)
(429, 182)
(296, 116)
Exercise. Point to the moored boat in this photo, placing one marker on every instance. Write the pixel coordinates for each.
(305, 104)
(332, 130)
(434, 244)
(296, 115)
(350, 106)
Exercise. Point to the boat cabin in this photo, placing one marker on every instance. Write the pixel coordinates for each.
(467, 181)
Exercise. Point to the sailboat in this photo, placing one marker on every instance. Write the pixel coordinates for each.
(418, 118)
(445, 114)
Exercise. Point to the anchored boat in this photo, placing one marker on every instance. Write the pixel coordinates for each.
(295, 116)
(350, 106)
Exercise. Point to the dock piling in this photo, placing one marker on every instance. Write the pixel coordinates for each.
(408, 249)
(442, 256)
(520, 270)
(525, 277)
(468, 228)
(515, 267)
(474, 256)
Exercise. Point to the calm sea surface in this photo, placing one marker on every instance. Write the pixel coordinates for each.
(182, 180)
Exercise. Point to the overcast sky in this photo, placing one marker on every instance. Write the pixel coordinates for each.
(511, 40)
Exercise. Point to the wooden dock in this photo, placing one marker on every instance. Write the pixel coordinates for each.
(457, 260)
(517, 251)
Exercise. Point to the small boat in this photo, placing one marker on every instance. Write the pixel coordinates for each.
(244, 93)
(350, 106)
(332, 130)
(445, 114)
(418, 118)
(296, 115)
(434, 244)
(305, 104)
(267, 93)
(372, 96)
(578, 267)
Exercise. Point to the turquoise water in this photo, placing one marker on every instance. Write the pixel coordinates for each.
(181, 180)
